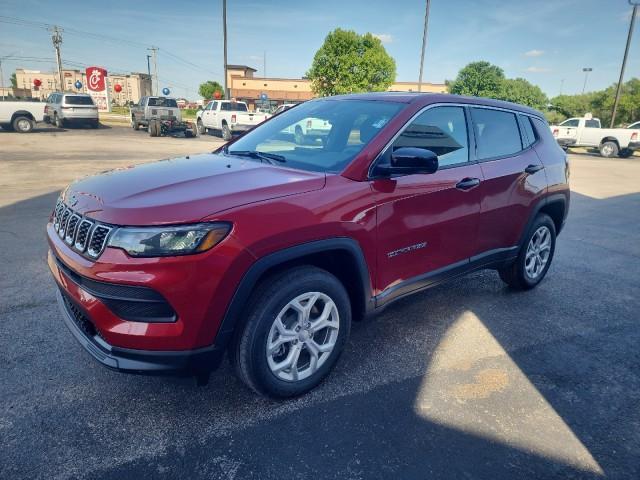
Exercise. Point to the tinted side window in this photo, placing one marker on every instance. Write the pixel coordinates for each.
(443, 130)
(574, 122)
(497, 133)
(530, 136)
(592, 124)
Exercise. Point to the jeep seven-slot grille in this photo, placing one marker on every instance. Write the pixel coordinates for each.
(82, 234)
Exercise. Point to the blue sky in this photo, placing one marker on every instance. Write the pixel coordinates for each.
(542, 41)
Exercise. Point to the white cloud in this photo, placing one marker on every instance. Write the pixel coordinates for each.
(534, 53)
(384, 37)
(538, 69)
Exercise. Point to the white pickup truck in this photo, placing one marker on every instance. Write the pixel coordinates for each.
(228, 117)
(588, 132)
(21, 116)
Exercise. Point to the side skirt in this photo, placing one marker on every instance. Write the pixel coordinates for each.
(488, 260)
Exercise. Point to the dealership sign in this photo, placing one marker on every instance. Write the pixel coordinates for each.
(97, 85)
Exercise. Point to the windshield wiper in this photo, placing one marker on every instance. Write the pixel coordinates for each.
(269, 157)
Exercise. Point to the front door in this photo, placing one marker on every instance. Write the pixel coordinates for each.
(427, 223)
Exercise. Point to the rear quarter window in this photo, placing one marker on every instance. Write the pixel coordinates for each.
(497, 133)
(530, 136)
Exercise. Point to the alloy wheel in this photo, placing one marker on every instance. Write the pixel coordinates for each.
(538, 252)
(302, 336)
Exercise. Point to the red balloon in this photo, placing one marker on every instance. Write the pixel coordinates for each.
(37, 82)
(117, 87)
(217, 95)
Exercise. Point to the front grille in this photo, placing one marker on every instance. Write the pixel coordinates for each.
(81, 233)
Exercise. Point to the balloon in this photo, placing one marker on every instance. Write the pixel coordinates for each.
(166, 91)
(37, 82)
(78, 84)
(117, 87)
(217, 95)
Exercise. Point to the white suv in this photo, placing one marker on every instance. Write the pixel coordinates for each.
(65, 108)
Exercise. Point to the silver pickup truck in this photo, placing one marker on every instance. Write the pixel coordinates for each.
(160, 108)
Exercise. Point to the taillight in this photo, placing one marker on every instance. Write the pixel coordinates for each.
(555, 132)
(46, 109)
(233, 119)
(634, 136)
(309, 123)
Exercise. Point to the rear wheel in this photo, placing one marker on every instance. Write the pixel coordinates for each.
(226, 132)
(297, 326)
(534, 257)
(153, 128)
(200, 126)
(134, 123)
(609, 149)
(22, 124)
(57, 121)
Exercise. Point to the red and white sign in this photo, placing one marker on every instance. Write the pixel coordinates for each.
(96, 79)
(96, 83)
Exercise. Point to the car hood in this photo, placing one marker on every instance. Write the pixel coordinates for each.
(184, 190)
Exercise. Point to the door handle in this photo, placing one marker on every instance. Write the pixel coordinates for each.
(467, 183)
(531, 169)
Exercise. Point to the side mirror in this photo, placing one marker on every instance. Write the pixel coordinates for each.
(410, 161)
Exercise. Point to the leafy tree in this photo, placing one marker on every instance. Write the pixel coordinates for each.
(208, 89)
(518, 90)
(572, 105)
(348, 62)
(14, 80)
(480, 79)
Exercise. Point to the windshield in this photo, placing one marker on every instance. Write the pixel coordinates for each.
(78, 100)
(320, 135)
(162, 102)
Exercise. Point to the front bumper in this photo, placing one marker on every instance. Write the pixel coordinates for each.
(185, 362)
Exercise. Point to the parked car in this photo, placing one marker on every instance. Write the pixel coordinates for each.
(21, 116)
(268, 250)
(283, 107)
(228, 117)
(588, 132)
(635, 126)
(148, 109)
(71, 108)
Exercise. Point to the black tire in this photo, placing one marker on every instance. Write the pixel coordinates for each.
(226, 132)
(188, 134)
(298, 135)
(22, 124)
(7, 127)
(516, 275)
(625, 153)
(609, 149)
(57, 121)
(248, 352)
(201, 128)
(134, 124)
(153, 128)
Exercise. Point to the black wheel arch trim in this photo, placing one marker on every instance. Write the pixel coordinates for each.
(554, 198)
(253, 274)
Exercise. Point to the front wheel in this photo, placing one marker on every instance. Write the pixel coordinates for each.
(201, 129)
(297, 326)
(534, 257)
(134, 123)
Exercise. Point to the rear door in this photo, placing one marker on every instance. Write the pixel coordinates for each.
(514, 177)
(427, 223)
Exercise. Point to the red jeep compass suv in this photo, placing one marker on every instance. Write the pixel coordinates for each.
(270, 246)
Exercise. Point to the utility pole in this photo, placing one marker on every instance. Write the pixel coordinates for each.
(424, 43)
(561, 85)
(224, 34)
(624, 61)
(154, 55)
(56, 38)
(586, 76)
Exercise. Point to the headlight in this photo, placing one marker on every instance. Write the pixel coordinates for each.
(169, 241)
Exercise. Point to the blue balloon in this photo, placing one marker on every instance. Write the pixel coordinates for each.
(78, 84)
(263, 96)
(166, 91)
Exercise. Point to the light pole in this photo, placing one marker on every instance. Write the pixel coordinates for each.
(224, 34)
(635, 4)
(586, 76)
(424, 43)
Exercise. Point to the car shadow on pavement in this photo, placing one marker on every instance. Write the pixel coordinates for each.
(467, 380)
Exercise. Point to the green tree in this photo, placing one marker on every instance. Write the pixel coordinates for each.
(208, 89)
(14, 80)
(518, 90)
(348, 62)
(573, 105)
(480, 79)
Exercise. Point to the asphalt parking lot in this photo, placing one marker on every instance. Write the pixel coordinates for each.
(467, 380)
